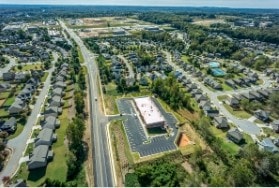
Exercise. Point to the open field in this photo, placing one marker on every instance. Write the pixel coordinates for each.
(28, 67)
(103, 22)
(208, 22)
(238, 113)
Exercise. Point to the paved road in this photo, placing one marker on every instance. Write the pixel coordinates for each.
(8, 66)
(243, 124)
(131, 76)
(103, 173)
(18, 144)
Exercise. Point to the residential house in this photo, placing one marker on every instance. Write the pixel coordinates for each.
(191, 87)
(261, 115)
(221, 122)
(235, 135)
(231, 83)
(20, 77)
(249, 96)
(267, 145)
(8, 76)
(257, 95)
(264, 93)
(9, 126)
(56, 101)
(4, 87)
(196, 92)
(40, 157)
(57, 91)
(59, 84)
(275, 125)
(45, 137)
(52, 111)
(233, 102)
(17, 107)
(51, 122)
(200, 97)
(238, 82)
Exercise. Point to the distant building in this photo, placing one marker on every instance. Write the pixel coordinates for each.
(149, 112)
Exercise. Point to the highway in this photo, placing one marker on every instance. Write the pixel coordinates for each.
(102, 166)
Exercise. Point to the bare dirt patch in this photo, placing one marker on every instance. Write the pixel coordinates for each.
(187, 166)
(184, 140)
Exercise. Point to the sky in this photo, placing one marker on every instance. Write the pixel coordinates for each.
(210, 3)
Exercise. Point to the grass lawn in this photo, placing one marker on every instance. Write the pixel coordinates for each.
(80, 56)
(4, 95)
(43, 79)
(185, 58)
(228, 146)
(9, 101)
(19, 129)
(238, 113)
(226, 87)
(109, 98)
(36, 66)
(248, 138)
(258, 121)
(270, 132)
(222, 97)
(3, 112)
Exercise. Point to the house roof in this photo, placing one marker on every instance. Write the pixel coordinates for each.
(235, 133)
(40, 154)
(9, 123)
(233, 101)
(269, 145)
(262, 113)
(222, 121)
(45, 134)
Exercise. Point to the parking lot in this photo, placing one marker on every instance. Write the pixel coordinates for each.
(138, 140)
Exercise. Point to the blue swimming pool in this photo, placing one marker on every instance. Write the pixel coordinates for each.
(218, 72)
(214, 64)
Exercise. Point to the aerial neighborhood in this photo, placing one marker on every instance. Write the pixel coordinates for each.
(138, 97)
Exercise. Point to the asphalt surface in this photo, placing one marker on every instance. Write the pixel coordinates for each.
(131, 76)
(19, 143)
(139, 140)
(103, 175)
(8, 66)
(243, 124)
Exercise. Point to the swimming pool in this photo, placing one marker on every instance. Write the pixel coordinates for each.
(214, 64)
(218, 72)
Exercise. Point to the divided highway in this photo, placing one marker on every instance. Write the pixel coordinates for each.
(103, 174)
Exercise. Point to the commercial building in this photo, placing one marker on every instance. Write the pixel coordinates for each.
(149, 112)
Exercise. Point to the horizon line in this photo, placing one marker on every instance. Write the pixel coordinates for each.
(124, 5)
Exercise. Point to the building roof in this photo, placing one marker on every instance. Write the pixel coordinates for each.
(268, 145)
(9, 123)
(40, 154)
(235, 133)
(148, 110)
(45, 134)
(222, 121)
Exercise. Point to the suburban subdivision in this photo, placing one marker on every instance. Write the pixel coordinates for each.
(120, 96)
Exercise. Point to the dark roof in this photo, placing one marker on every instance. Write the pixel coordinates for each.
(235, 133)
(9, 123)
